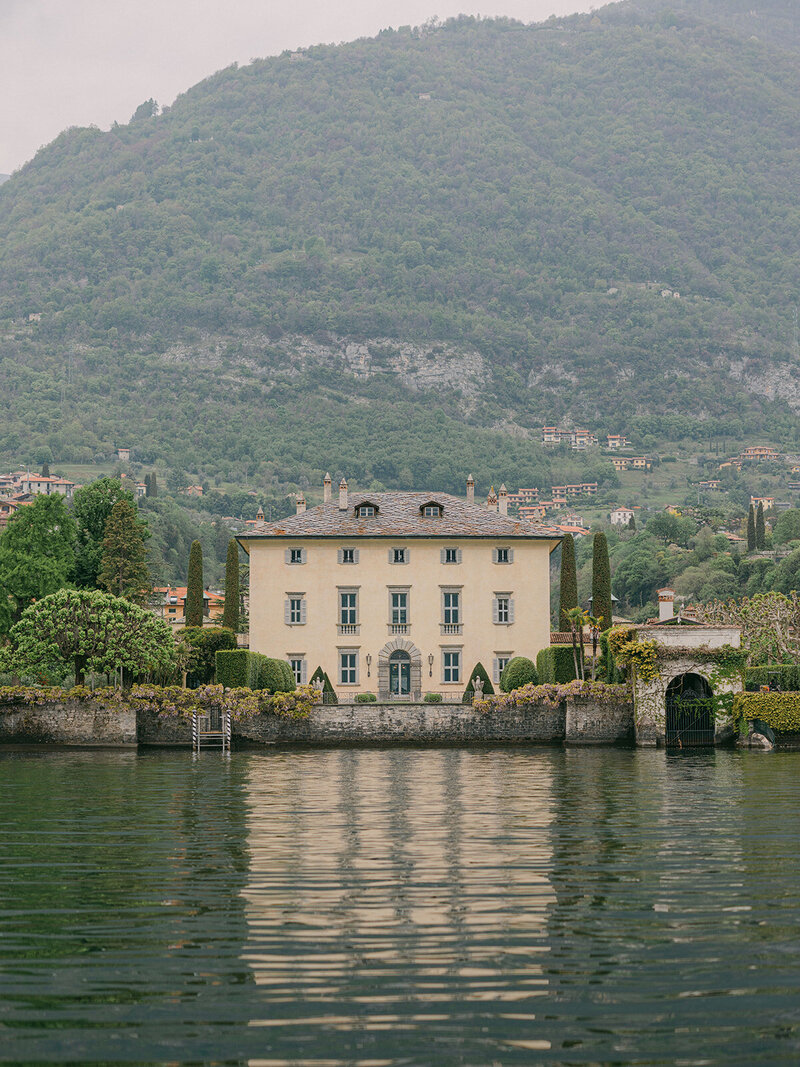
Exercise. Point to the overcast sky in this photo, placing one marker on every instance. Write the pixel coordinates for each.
(77, 62)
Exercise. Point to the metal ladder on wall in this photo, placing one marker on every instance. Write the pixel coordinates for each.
(211, 730)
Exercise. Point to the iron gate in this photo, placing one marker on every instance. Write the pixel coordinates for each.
(689, 722)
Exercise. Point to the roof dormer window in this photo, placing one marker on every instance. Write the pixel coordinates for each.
(366, 511)
(431, 510)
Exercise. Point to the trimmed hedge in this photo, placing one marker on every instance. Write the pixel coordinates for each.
(469, 692)
(241, 669)
(432, 698)
(781, 711)
(365, 698)
(517, 672)
(785, 675)
(556, 665)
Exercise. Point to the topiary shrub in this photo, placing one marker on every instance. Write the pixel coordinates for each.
(469, 692)
(517, 672)
(275, 675)
(365, 698)
(432, 698)
(237, 669)
(205, 642)
(555, 665)
(328, 692)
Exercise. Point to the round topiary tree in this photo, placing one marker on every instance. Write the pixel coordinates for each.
(469, 693)
(517, 672)
(275, 675)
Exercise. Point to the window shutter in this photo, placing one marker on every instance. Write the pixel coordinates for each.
(442, 555)
(406, 555)
(340, 555)
(391, 555)
(496, 670)
(287, 555)
(495, 610)
(510, 609)
(302, 555)
(510, 555)
(303, 672)
(495, 555)
(355, 555)
(287, 610)
(303, 610)
(458, 555)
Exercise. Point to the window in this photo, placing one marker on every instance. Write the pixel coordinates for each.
(451, 555)
(398, 555)
(348, 608)
(503, 609)
(295, 555)
(451, 608)
(503, 555)
(365, 511)
(348, 668)
(500, 661)
(451, 665)
(432, 511)
(299, 669)
(294, 609)
(399, 608)
(348, 555)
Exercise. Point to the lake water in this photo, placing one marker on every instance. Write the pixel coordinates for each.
(400, 906)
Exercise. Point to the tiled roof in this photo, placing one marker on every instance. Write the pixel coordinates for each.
(399, 515)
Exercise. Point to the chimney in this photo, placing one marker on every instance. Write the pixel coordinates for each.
(260, 513)
(326, 489)
(503, 506)
(342, 495)
(301, 503)
(470, 489)
(666, 605)
(491, 500)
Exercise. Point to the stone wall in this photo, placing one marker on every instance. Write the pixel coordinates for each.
(73, 722)
(589, 722)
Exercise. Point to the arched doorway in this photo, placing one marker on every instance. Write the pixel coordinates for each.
(689, 720)
(399, 673)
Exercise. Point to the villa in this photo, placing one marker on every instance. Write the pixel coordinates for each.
(399, 593)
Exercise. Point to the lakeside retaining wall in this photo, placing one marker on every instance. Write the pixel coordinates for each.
(75, 722)
(70, 722)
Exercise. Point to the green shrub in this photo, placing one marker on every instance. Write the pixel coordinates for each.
(275, 675)
(608, 665)
(784, 675)
(236, 669)
(781, 711)
(432, 698)
(517, 672)
(469, 692)
(205, 642)
(365, 698)
(555, 665)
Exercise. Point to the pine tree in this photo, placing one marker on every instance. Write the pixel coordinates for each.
(123, 571)
(601, 582)
(230, 614)
(760, 533)
(194, 586)
(751, 530)
(569, 583)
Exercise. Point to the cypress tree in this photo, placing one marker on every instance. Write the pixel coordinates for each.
(751, 530)
(569, 583)
(194, 586)
(601, 581)
(230, 614)
(152, 485)
(124, 568)
(632, 524)
(147, 485)
(45, 469)
(760, 533)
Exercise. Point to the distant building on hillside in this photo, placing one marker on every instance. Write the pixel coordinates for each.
(631, 463)
(124, 455)
(621, 516)
(616, 441)
(170, 604)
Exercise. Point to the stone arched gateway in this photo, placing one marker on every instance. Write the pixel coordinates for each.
(689, 718)
(399, 671)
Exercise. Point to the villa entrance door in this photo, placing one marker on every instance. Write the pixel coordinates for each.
(399, 674)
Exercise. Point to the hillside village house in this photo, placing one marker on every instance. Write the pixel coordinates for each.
(169, 603)
(399, 593)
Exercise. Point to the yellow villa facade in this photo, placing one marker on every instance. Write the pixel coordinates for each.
(399, 593)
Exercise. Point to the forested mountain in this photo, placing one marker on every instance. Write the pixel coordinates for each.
(397, 257)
